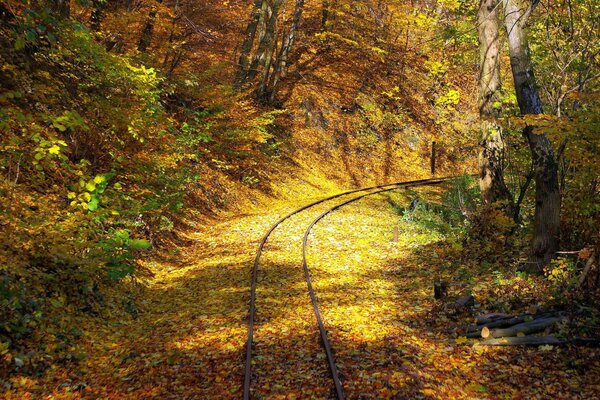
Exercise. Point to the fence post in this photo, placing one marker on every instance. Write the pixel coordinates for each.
(433, 158)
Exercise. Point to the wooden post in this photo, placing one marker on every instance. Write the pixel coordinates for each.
(433, 158)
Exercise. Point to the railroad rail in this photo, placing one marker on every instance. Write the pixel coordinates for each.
(323, 332)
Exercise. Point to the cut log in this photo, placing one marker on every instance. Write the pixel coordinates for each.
(522, 341)
(538, 341)
(464, 301)
(491, 317)
(501, 323)
(505, 322)
(526, 328)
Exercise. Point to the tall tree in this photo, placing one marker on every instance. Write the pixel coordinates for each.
(267, 42)
(547, 197)
(491, 153)
(266, 46)
(244, 59)
(286, 46)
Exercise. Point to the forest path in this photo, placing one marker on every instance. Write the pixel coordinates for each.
(375, 297)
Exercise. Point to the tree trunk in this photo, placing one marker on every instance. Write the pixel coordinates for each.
(148, 30)
(491, 153)
(547, 197)
(286, 46)
(244, 59)
(266, 44)
(262, 92)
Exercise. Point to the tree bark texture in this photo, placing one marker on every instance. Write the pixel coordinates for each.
(266, 47)
(244, 59)
(286, 46)
(491, 152)
(547, 197)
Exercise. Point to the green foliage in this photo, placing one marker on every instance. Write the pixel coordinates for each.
(121, 250)
(463, 196)
(19, 313)
(561, 274)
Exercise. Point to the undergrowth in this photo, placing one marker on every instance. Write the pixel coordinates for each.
(98, 165)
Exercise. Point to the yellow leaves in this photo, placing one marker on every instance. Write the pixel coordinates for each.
(476, 387)
(461, 340)
(449, 99)
(450, 5)
(436, 68)
(54, 149)
(4, 348)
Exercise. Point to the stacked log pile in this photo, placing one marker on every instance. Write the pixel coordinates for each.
(498, 329)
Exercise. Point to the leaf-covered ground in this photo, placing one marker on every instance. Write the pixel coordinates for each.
(185, 337)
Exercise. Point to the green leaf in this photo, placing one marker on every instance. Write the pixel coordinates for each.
(122, 234)
(119, 271)
(93, 204)
(139, 244)
(19, 44)
(59, 126)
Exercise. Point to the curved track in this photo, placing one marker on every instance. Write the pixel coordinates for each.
(324, 340)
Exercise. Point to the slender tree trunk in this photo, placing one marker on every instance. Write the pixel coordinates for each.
(266, 44)
(286, 46)
(547, 197)
(270, 58)
(491, 153)
(148, 30)
(244, 59)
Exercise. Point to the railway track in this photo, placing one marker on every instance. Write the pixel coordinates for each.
(369, 191)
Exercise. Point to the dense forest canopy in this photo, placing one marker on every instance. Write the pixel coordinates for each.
(126, 125)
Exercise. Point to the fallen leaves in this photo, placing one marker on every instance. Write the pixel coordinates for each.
(376, 301)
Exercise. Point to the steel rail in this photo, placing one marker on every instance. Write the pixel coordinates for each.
(339, 389)
(252, 307)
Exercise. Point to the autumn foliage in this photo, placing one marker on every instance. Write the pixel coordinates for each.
(145, 145)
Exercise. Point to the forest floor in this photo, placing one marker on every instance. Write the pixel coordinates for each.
(186, 338)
